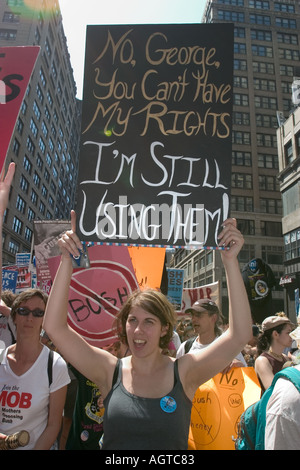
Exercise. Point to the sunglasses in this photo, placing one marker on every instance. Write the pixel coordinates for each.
(24, 311)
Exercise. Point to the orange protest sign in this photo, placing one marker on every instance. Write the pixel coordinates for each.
(217, 407)
(148, 265)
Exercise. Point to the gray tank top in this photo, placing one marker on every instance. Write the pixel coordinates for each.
(136, 423)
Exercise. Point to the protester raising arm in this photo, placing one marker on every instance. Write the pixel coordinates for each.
(197, 368)
(94, 363)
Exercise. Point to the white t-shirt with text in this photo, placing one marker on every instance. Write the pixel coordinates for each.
(24, 399)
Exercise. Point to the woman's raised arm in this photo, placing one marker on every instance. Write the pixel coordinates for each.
(197, 368)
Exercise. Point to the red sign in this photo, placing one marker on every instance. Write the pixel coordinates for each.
(16, 65)
(97, 293)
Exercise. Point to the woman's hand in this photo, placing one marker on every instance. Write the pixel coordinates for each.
(69, 242)
(231, 239)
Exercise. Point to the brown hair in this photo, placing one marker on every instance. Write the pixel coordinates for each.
(27, 295)
(154, 302)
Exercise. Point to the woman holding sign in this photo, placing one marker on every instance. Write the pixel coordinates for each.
(148, 394)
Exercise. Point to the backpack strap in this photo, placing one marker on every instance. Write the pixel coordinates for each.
(116, 372)
(188, 344)
(291, 374)
(2, 351)
(49, 367)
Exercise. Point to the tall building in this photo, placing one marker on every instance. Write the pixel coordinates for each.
(288, 136)
(266, 52)
(45, 142)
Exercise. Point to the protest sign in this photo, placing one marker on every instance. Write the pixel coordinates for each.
(46, 235)
(175, 286)
(208, 291)
(217, 407)
(155, 152)
(97, 293)
(9, 279)
(16, 65)
(148, 264)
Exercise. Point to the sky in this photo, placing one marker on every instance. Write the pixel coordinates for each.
(75, 19)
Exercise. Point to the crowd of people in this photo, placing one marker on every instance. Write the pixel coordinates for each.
(70, 395)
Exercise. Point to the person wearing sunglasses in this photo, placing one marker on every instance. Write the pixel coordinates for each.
(28, 399)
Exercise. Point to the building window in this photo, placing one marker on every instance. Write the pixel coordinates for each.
(288, 152)
(272, 254)
(10, 17)
(264, 84)
(266, 120)
(235, 16)
(271, 206)
(259, 4)
(36, 179)
(240, 118)
(241, 158)
(240, 64)
(297, 139)
(241, 180)
(263, 67)
(286, 38)
(30, 214)
(265, 102)
(246, 227)
(266, 140)
(239, 32)
(291, 199)
(242, 203)
(241, 138)
(261, 35)
(240, 99)
(34, 197)
(271, 229)
(24, 185)
(8, 34)
(287, 8)
(27, 165)
(239, 48)
(285, 23)
(289, 54)
(260, 19)
(268, 183)
(28, 234)
(240, 82)
(17, 225)
(262, 51)
(13, 247)
(21, 204)
(247, 253)
(268, 161)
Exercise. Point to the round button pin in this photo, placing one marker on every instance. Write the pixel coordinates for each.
(168, 404)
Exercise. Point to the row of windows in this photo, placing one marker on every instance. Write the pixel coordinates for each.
(266, 51)
(268, 161)
(264, 35)
(262, 84)
(260, 5)
(246, 204)
(245, 181)
(254, 18)
(267, 228)
(264, 102)
(264, 67)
